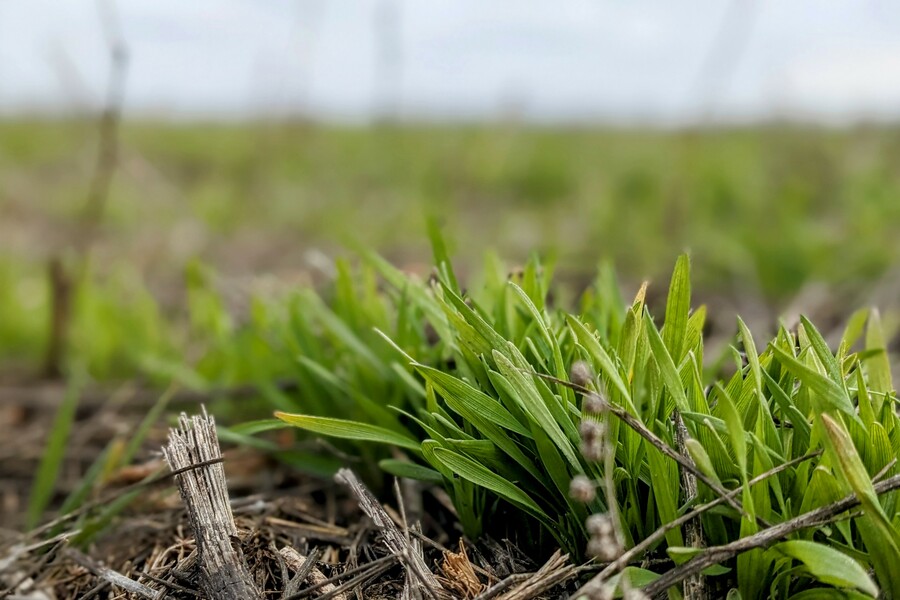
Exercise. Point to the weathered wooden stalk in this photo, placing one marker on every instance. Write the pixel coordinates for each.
(224, 574)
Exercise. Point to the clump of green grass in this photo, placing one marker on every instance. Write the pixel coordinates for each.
(472, 391)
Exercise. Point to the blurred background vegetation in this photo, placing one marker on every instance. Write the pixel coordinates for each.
(773, 215)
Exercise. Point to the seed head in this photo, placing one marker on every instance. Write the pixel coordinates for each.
(592, 434)
(603, 544)
(592, 451)
(603, 550)
(600, 525)
(580, 373)
(591, 430)
(581, 489)
(593, 403)
(634, 594)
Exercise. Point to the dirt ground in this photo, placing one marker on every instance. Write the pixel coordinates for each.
(300, 536)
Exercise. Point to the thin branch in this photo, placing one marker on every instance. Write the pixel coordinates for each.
(695, 585)
(556, 571)
(169, 584)
(63, 281)
(301, 564)
(718, 554)
(635, 552)
(397, 542)
(114, 577)
(642, 430)
(385, 562)
(884, 470)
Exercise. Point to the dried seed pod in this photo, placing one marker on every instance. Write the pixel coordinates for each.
(592, 450)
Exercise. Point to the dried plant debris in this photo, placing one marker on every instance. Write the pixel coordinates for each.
(459, 574)
(290, 547)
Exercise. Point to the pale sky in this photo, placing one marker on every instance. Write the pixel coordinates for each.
(567, 60)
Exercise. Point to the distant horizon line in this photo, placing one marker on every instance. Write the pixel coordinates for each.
(444, 119)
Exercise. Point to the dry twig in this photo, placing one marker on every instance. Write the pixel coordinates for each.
(557, 570)
(298, 563)
(113, 577)
(718, 554)
(397, 542)
(596, 584)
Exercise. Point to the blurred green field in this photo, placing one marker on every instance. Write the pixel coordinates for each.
(764, 212)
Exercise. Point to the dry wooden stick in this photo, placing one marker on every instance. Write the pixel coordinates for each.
(359, 574)
(64, 281)
(224, 574)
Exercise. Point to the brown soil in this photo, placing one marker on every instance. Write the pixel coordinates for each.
(283, 519)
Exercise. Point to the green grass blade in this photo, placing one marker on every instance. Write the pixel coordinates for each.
(538, 319)
(829, 565)
(820, 347)
(533, 405)
(54, 453)
(402, 468)
(468, 401)
(602, 358)
(350, 430)
(441, 255)
(153, 415)
(678, 307)
(483, 477)
(735, 430)
(878, 533)
(667, 367)
(832, 394)
(878, 368)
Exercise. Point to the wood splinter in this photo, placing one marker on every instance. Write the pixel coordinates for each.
(424, 583)
(223, 572)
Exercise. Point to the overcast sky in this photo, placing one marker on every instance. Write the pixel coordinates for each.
(611, 60)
